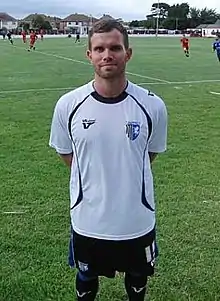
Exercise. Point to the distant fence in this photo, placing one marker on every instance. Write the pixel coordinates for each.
(85, 36)
(130, 35)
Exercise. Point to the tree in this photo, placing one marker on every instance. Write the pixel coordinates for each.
(134, 23)
(177, 16)
(163, 9)
(46, 25)
(158, 10)
(203, 16)
(38, 22)
(194, 17)
(25, 26)
(149, 23)
(208, 16)
(179, 11)
(171, 17)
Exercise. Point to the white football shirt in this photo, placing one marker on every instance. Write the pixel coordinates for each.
(111, 183)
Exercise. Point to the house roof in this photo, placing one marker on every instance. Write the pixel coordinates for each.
(78, 18)
(215, 25)
(202, 26)
(106, 17)
(6, 17)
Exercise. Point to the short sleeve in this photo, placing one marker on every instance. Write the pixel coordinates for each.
(59, 136)
(158, 138)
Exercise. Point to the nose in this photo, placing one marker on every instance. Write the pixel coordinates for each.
(107, 55)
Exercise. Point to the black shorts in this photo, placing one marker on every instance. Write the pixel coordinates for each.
(98, 257)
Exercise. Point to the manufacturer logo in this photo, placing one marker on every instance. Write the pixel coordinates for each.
(87, 123)
(138, 290)
(82, 294)
(83, 266)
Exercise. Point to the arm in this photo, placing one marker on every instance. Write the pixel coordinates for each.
(67, 158)
(152, 156)
(213, 47)
(59, 135)
(158, 139)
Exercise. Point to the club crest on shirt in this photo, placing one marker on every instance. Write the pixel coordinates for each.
(132, 129)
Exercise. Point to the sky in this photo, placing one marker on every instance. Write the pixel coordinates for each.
(126, 9)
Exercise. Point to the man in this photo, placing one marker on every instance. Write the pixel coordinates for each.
(77, 38)
(216, 48)
(108, 132)
(42, 34)
(9, 35)
(33, 38)
(185, 45)
(24, 36)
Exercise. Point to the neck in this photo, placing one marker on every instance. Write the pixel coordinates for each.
(110, 87)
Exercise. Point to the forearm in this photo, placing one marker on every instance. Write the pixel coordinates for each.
(67, 158)
(152, 156)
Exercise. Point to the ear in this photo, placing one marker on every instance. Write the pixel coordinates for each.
(128, 54)
(89, 54)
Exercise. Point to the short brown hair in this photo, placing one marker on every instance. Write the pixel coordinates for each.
(107, 26)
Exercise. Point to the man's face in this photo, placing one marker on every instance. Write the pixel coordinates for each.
(108, 54)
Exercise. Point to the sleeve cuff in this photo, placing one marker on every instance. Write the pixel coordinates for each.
(60, 150)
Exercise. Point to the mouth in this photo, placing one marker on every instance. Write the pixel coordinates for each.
(108, 65)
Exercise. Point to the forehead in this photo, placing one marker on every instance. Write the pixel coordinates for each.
(107, 38)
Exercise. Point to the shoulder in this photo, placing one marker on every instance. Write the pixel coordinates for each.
(69, 100)
(149, 100)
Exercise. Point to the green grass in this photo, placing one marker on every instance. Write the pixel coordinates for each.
(34, 244)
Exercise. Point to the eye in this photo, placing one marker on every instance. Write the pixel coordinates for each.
(99, 49)
(116, 48)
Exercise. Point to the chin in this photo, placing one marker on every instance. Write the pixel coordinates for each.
(109, 74)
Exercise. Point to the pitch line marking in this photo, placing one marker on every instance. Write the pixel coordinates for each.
(89, 64)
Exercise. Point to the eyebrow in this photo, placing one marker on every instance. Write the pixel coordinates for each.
(111, 46)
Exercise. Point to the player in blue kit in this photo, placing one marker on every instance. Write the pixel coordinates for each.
(216, 48)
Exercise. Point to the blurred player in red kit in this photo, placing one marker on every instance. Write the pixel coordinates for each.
(33, 38)
(185, 45)
(24, 36)
(41, 34)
